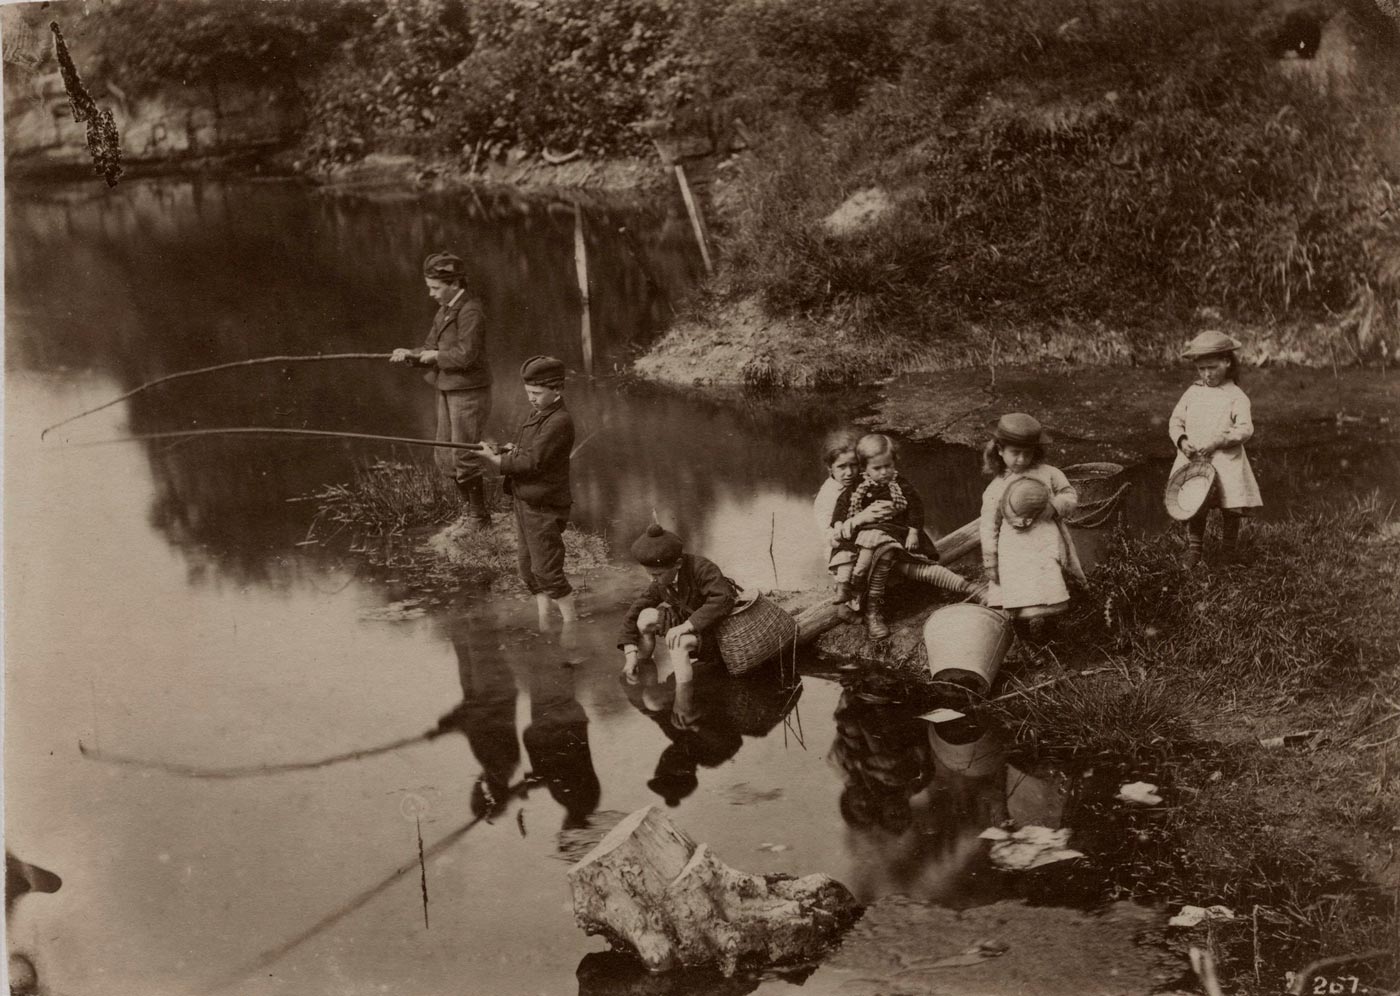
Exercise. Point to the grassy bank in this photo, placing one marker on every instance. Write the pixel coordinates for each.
(1206, 669)
(1090, 181)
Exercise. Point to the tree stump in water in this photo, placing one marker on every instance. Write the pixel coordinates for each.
(650, 888)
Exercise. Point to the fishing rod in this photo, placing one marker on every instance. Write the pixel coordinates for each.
(270, 431)
(316, 358)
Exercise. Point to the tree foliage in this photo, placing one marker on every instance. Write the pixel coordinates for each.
(145, 44)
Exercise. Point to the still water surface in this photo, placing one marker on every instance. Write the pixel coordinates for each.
(159, 607)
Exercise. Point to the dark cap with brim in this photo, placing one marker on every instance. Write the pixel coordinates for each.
(542, 371)
(444, 266)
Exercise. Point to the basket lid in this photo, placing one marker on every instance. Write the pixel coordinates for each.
(1188, 489)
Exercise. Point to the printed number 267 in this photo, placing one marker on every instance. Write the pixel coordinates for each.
(1334, 987)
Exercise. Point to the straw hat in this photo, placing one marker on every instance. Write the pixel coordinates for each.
(1210, 343)
(1020, 429)
(1188, 489)
(1024, 501)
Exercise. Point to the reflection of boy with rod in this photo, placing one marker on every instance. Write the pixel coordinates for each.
(556, 739)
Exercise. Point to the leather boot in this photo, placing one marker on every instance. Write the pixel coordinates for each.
(474, 498)
(875, 622)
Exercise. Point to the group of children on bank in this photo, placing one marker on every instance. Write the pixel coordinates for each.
(871, 518)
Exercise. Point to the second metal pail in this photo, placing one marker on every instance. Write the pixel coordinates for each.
(966, 644)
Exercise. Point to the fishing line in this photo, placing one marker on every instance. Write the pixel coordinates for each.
(216, 367)
(330, 919)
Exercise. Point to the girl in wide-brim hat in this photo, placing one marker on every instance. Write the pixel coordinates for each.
(1026, 547)
(1211, 423)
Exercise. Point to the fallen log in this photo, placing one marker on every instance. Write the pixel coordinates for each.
(650, 889)
(815, 620)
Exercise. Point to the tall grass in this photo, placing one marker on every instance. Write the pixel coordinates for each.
(387, 509)
(1306, 619)
(384, 498)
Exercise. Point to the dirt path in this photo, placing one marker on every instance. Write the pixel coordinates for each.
(1120, 414)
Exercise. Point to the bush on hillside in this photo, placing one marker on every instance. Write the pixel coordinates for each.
(1062, 160)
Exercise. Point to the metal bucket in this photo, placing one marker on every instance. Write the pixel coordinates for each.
(966, 644)
(967, 748)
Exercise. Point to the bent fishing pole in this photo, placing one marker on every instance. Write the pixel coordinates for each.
(315, 358)
(273, 431)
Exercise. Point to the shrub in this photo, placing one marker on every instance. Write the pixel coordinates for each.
(1071, 161)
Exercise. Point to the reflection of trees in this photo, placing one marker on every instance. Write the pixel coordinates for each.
(162, 276)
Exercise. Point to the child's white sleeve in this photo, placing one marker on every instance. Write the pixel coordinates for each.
(824, 506)
(1063, 497)
(1241, 421)
(989, 525)
(1176, 425)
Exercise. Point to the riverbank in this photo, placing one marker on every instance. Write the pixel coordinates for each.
(1262, 699)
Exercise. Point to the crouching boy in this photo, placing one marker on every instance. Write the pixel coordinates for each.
(687, 597)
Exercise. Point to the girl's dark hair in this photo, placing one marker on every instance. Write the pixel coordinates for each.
(874, 444)
(993, 464)
(838, 442)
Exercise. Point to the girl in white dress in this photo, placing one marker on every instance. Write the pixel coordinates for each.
(1026, 548)
(1212, 421)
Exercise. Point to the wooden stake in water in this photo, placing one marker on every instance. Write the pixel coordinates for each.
(585, 318)
(697, 221)
(422, 869)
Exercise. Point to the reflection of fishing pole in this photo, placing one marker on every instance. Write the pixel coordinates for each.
(218, 366)
(252, 770)
(444, 725)
(268, 431)
(330, 919)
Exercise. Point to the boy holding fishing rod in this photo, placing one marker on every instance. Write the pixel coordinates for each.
(536, 472)
(455, 355)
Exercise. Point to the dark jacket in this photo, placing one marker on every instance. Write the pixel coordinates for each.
(537, 470)
(701, 595)
(459, 336)
(899, 523)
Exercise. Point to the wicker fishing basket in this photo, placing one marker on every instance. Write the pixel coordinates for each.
(1094, 481)
(755, 631)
